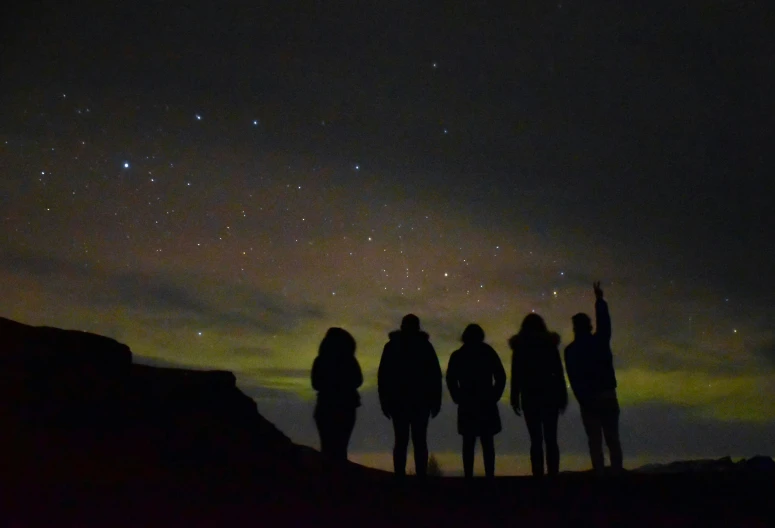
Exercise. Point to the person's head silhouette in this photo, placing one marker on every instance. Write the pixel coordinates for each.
(582, 325)
(472, 334)
(337, 342)
(533, 325)
(410, 323)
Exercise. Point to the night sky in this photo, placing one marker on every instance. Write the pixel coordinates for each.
(216, 185)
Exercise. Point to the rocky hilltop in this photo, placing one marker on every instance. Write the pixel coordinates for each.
(74, 406)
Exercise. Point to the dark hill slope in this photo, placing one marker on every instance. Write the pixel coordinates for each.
(74, 409)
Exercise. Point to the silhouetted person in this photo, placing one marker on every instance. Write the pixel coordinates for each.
(538, 389)
(476, 379)
(591, 373)
(336, 377)
(409, 384)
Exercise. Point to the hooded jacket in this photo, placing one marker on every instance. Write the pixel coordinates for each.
(537, 377)
(409, 376)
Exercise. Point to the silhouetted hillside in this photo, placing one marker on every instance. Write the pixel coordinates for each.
(72, 404)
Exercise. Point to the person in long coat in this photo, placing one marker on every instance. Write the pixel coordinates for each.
(538, 389)
(336, 376)
(476, 380)
(409, 388)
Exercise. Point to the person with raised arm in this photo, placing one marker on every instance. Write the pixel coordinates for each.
(589, 362)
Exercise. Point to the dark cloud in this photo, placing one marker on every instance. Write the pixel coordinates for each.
(174, 303)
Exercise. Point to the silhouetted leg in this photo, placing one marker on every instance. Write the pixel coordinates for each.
(488, 453)
(401, 430)
(469, 446)
(551, 417)
(535, 429)
(324, 431)
(590, 416)
(611, 433)
(420, 443)
(343, 434)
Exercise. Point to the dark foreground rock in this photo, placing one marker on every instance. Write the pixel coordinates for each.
(89, 439)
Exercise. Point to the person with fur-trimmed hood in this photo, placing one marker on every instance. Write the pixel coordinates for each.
(409, 386)
(538, 389)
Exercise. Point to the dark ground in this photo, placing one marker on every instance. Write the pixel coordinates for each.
(353, 499)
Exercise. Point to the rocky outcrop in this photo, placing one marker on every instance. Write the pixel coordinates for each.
(73, 401)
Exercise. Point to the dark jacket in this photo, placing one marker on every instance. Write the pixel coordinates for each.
(537, 377)
(589, 359)
(409, 376)
(476, 379)
(337, 377)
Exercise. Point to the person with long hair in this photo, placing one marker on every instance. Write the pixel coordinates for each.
(476, 380)
(538, 389)
(336, 376)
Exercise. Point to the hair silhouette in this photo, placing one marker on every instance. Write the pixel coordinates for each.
(409, 386)
(538, 389)
(472, 334)
(533, 325)
(476, 380)
(337, 341)
(336, 376)
(582, 324)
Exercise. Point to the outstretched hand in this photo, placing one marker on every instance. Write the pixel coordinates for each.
(598, 290)
(517, 409)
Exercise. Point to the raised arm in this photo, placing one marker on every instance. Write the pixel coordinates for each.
(602, 317)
